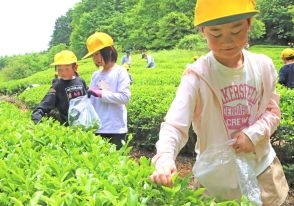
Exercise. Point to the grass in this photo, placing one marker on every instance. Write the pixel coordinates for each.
(273, 52)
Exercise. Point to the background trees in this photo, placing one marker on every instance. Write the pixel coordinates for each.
(162, 24)
(147, 24)
(62, 31)
(277, 16)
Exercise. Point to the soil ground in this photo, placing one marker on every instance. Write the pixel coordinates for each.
(15, 101)
(185, 163)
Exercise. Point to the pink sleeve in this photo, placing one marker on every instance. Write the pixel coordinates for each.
(267, 123)
(269, 115)
(174, 130)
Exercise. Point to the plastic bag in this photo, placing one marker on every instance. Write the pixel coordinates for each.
(82, 113)
(227, 175)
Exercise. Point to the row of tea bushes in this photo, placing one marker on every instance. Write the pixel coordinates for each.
(48, 164)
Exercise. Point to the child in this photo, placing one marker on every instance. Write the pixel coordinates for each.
(149, 59)
(109, 88)
(287, 71)
(127, 58)
(68, 87)
(227, 94)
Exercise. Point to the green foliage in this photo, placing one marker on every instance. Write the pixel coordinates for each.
(192, 42)
(153, 24)
(55, 49)
(62, 31)
(48, 164)
(31, 97)
(289, 170)
(3, 62)
(18, 86)
(133, 24)
(144, 124)
(149, 104)
(18, 67)
(143, 24)
(80, 34)
(257, 30)
(172, 28)
(152, 93)
(283, 138)
(273, 51)
(277, 19)
(291, 12)
(287, 97)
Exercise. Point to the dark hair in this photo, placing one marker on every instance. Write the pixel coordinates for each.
(109, 54)
(289, 58)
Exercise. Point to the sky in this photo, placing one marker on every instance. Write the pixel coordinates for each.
(26, 26)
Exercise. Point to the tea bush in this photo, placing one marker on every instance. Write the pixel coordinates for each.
(49, 164)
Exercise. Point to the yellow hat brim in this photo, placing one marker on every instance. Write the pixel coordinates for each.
(62, 63)
(226, 19)
(89, 54)
(97, 49)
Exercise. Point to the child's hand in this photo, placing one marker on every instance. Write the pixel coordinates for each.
(163, 176)
(243, 143)
(94, 92)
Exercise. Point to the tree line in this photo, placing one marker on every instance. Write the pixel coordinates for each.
(160, 24)
(144, 24)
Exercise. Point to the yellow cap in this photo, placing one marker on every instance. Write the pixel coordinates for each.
(215, 12)
(195, 57)
(64, 57)
(126, 66)
(98, 41)
(286, 53)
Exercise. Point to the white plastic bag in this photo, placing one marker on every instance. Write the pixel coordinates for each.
(82, 113)
(227, 175)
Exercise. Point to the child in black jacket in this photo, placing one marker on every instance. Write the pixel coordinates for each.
(67, 87)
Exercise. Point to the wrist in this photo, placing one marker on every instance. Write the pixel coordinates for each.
(161, 161)
(95, 92)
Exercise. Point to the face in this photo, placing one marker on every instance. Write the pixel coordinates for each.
(227, 40)
(98, 59)
(66, 72)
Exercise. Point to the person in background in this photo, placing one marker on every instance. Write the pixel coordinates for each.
(228, 95)
(286, 74)
(68, 87)
(109, 88)
(149, 59)
(32, 86)
(126, 59)
(126, 66)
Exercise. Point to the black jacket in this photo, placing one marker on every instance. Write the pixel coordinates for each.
(58, 96)
(287, 75)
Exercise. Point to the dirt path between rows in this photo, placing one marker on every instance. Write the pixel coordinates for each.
(15, 101)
